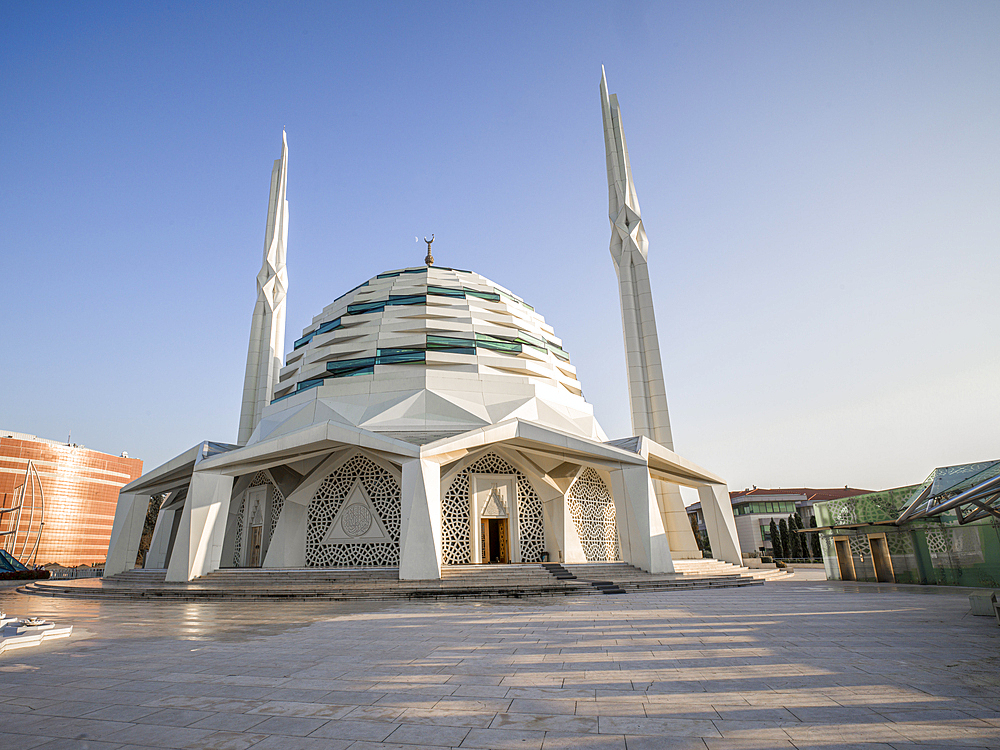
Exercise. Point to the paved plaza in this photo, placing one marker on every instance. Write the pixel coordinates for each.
(792, 664)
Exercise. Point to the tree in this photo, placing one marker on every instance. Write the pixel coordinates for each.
(783, 533)
(775, 540)
(696, 531)
(794, 524)
(817, 551)
(152, 512)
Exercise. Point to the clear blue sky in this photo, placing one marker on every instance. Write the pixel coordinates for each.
(820, 183)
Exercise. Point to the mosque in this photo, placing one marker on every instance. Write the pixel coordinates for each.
(430, 417)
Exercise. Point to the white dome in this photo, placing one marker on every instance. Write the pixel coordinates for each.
(426, 352)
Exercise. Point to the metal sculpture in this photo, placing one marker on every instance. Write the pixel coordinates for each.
(10, 518)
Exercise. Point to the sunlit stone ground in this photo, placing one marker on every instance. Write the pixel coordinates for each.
(793, 664)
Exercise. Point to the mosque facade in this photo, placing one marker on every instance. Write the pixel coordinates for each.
(430, 417)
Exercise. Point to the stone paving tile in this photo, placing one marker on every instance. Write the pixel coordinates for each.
(450, 703)
(660, 727)
(292, 725)
(284, 742)
(10, 740)
(74, 744)
(373, 713)
(645, 742)
(418, 734)
(342, 729)
(304, 695)
(777, 666)
(542, 706)
(504, 739)
(175, 717)
(156, 735)
(574, 741)
(303, 710)
(229, 722)
(757, 713)
(545, 722)
(228, 741)
(449, 718)
(71, 708)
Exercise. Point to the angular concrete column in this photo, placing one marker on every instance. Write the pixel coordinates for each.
(644, 541)
(676, 522)
(126, 532)
(288, 545)
(159, 545)
(198, 548)
(720, 523)
(420, 532)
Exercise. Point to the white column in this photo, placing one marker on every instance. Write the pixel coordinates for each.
(267, 327)
(646, 386)
(288, 545)
(676, 522)
(156, 557)
(572, 546)
(644, 541)
(198, 548)
(420, 532)
(130, 515)
(720, 523)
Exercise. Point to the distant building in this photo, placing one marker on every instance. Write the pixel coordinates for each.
(945, 530)
(755, 508)
(57, 501)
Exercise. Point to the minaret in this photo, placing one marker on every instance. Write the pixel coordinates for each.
(267, 330)
(646, 389)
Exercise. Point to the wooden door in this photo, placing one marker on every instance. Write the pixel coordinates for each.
(496, 545)
(503, 553)
(256, 535)
(881, 559)
(843, 547)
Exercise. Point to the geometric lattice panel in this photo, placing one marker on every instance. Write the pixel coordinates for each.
(593, 512)
(383, 490)
(238, 545)
(456, 546)
(530, 523)
(260, 479)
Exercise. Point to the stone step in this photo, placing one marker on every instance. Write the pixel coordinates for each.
(382, 584)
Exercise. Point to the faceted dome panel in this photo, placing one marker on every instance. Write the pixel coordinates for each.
(428, 349)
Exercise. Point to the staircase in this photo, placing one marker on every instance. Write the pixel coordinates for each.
(560, 573)
(631, 579)
(319, 584)
(711, 566)
(383, 584)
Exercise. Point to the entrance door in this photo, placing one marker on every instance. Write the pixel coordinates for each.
(495, 540)
(881, 559)
(843, 547)
(256, 534)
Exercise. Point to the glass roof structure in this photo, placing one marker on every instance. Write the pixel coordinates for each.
(972, 491)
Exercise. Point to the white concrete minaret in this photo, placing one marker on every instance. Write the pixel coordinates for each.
(646, 388)
(267, 331)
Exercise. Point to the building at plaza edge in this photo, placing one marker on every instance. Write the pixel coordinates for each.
(430, 417)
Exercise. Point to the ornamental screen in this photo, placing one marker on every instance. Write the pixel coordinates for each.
(456, 544)
(593, 512)
(381, 489)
